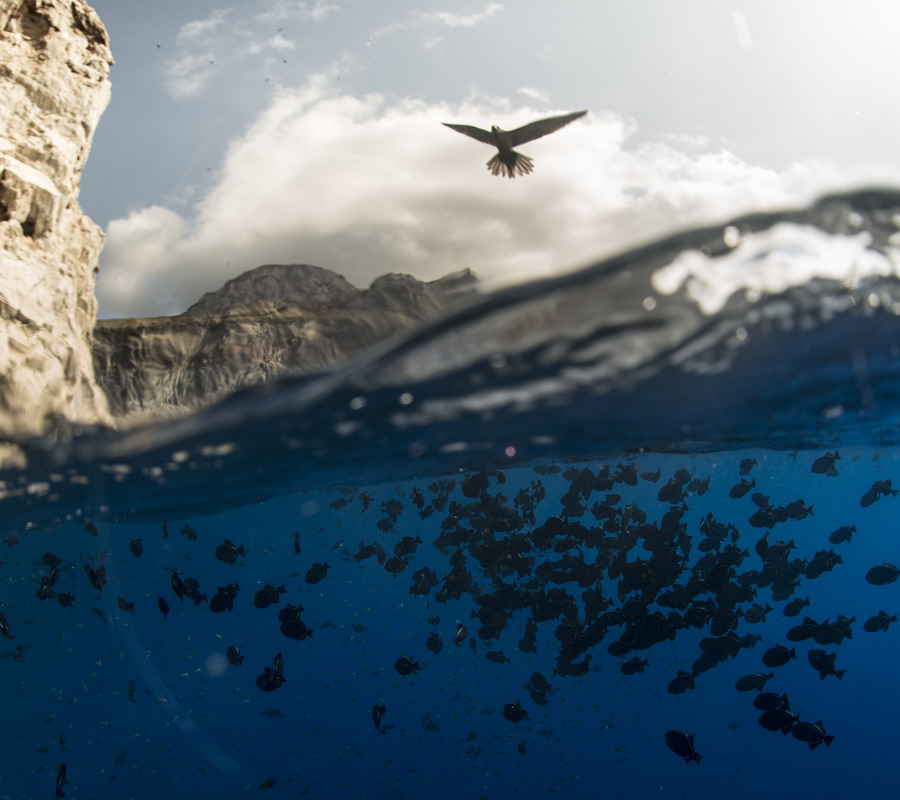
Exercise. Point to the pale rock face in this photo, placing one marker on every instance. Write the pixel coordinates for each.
(275, 320)
(54, 63)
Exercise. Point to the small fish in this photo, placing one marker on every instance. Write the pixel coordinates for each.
(89, 527)
(778, 656)
(793, 608)
(824, 465)
(406, 666)
(4, 626)
(316, 572)
(268, 595)
(228, 552)
(163, 605)
(136, 547)
(297, 548)
(61, 781)
(514, 712)
(97, 576)
(746, 465)
(682, 744)
(434, 643)
(65, 599)
(378, 713)
(268, 783)
(274, 713)
(233, 654)
(273, 677)
(124, 605)
(755, 682)
(882, 575)
(740, 489)
(813, 733)
(461, 633)
(880, 622)
(635, 665)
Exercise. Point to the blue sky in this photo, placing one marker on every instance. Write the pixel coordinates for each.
(277, 131)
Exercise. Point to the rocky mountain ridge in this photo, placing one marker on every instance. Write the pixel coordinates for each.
(270, 321)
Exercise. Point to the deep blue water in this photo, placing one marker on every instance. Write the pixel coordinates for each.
(534, 404)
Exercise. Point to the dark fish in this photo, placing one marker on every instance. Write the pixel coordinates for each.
(514, 712)
(316, 572)
(97, 577)
(297, 548)
(273, 677)
(124, 605)
(163, 605)
(496, 656)
(191, 588)
(228, 552)
(223, 599)
(65, 599)
(407, 546)
(766, 701)
(406, 666)
(189, 533)
(178, 586)
(824, 465)
(879, 576)
(755, 682)
(813, 733)
(880, 622)
(778, 656)
(4, 626)
(90, 527)
(633, 666)
(136, 546)
(823, 663)
(268, 783)
(804, 631)
(51, 560)
(740, 489)
(61, 781)
(682, 744)
(747, 464)
(461, 633)
(780, 718)
(434, 643)
(757, 613)
(682, 682)
(378, 713)
(268, 595)
(844, 534)
(233, 654)
(793, 608)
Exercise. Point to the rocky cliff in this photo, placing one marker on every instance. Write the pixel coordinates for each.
(54, 63)
(271, 321)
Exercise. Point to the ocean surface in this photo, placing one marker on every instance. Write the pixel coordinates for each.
(519, 553)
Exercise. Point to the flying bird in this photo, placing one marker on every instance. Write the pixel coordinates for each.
(508, 162)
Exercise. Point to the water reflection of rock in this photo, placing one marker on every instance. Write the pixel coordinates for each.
(271, 321)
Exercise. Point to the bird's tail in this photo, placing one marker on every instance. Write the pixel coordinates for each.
(514, 164)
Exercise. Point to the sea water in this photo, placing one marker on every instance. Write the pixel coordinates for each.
(773, 338)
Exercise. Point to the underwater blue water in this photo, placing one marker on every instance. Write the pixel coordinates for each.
(536, 384)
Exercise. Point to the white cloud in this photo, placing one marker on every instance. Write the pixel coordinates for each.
(452, 20)
(446, 18)
(188, 75)
(364, 186)
(277, 42)
(200, 28)
(534, 94)
(281, 10)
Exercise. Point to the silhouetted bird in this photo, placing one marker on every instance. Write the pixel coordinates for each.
(508, 162)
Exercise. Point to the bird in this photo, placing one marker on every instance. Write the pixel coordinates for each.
(508, 162)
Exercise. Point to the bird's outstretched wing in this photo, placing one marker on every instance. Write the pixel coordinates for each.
(476, 133)
(535, 130)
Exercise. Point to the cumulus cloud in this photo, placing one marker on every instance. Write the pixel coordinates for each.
(366, 185)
